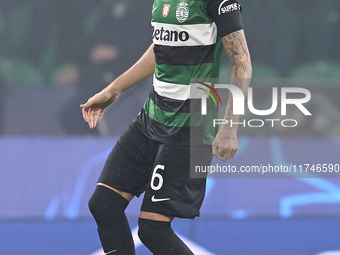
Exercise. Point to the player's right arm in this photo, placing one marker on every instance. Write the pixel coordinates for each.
(94, 108)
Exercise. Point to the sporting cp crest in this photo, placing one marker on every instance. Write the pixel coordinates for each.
(182, 12)
(166, 9)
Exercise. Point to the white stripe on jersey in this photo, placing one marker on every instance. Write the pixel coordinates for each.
(178, 91)
(199, 34)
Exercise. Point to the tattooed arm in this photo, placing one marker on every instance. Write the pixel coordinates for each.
(225, 144)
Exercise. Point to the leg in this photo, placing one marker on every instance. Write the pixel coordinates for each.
(171, 193)
(125, 195)
(124, 175)
(107, 206)
(156, 234)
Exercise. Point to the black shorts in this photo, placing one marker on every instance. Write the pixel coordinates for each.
(138, 163)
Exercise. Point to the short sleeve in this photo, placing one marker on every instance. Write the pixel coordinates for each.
(226, 14)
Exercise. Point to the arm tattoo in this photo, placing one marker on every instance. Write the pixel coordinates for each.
(228, 138)
(236, 48)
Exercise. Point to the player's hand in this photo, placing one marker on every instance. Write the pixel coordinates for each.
(225, 144)
(94, 108)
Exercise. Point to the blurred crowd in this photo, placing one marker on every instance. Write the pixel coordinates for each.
(57, 42)
(86, 43)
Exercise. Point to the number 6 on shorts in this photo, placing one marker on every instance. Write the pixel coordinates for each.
(158, 176)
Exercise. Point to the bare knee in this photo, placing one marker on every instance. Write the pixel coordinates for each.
(125, 195)
(155, 216)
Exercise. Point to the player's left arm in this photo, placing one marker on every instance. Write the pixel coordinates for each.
(225, 144)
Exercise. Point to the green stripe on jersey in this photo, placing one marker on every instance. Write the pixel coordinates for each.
(197, 12)
(174, 119)
(180, 119)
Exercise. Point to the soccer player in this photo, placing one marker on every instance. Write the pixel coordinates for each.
(153, 155)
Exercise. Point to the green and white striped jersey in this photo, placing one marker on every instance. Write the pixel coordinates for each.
(187, 45)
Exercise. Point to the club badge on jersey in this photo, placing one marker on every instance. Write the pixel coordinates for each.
(166, 9)
(182, 12)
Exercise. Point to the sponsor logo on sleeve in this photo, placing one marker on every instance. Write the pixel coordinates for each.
(226, 7)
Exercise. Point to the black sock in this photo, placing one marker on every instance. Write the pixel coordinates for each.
(108, 207)
(160, 239)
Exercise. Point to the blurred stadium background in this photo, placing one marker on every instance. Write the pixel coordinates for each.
(56, 54)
